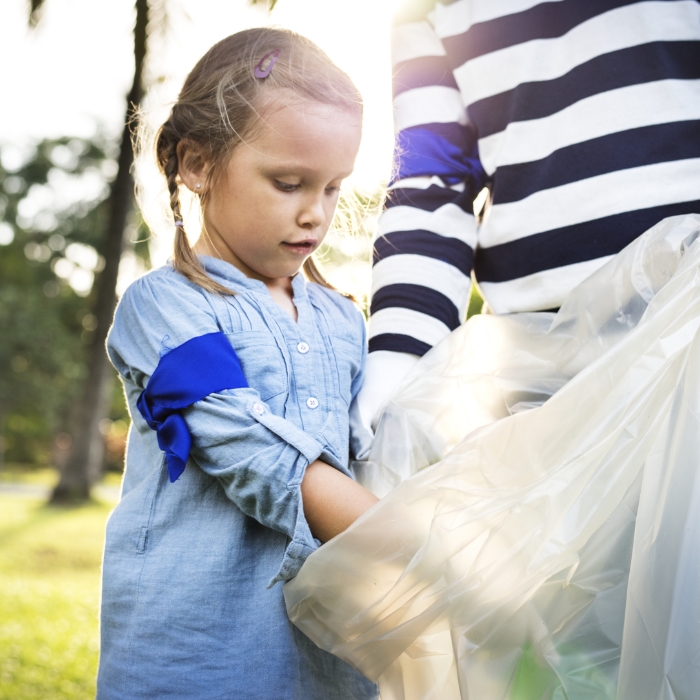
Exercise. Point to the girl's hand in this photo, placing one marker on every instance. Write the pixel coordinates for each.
(332, 501)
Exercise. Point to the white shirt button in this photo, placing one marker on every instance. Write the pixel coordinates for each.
(303, 348)
(259, 408)
(312, 402)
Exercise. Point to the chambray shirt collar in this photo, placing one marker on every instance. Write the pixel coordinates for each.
(232, 277)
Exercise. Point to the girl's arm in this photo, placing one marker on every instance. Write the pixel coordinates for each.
(332, 501)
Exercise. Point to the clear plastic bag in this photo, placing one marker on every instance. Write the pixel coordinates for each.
(540, 514)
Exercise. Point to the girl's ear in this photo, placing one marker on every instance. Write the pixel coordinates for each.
(193, 167)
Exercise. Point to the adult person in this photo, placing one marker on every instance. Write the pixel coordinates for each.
(583, 119)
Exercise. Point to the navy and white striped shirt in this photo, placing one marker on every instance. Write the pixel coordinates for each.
(582, 116)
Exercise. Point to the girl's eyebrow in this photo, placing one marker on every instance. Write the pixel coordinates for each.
(295, 168)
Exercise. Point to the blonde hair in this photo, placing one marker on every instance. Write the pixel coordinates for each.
(219, 106)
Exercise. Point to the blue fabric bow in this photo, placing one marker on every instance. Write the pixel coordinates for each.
(199, 367)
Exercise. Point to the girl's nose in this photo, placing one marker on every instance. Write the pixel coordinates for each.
(313, 213)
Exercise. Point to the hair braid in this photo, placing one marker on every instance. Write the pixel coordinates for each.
(185, 261)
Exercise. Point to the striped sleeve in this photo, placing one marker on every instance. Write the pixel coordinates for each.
(588, 119)
(424, 250)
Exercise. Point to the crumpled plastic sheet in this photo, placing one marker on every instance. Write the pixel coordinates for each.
(539, 528)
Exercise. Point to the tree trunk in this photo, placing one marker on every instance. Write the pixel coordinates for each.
(2, 442)
(84, 465)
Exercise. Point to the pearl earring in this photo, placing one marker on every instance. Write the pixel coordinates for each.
(198, 186)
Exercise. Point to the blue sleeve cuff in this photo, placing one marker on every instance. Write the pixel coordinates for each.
(294, 557)
(302, 545)
(199, 367)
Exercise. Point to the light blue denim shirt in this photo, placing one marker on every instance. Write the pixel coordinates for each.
(188, 609)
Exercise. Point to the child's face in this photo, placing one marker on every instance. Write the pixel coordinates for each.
(272, 205)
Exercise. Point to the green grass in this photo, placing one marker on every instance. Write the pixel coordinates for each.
(19, 474)
(45, 476)
(49, 598)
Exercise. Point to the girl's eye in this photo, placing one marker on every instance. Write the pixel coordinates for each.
(285, 186)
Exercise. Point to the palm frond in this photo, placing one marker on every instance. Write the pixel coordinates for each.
(270, 4)
(35, 7)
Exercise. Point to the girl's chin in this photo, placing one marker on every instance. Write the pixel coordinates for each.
(279, 275)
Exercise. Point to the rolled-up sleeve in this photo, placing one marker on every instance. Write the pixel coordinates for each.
(260, 460)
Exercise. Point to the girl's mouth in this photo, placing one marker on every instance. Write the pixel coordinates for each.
(301, 247)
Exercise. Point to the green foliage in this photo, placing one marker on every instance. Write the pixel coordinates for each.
(52, 207)
(49, 599)
(345, 257)
(415, 10)
(476, 301)
(269, 4)
(534, 678)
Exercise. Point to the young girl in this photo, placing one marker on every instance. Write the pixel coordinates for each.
(239, 376)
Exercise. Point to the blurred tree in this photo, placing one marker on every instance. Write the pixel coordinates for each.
(84, 464)
(52, 207)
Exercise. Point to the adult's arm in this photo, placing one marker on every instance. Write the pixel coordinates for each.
(424, 251)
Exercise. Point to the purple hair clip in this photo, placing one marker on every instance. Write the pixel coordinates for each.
(262, 70)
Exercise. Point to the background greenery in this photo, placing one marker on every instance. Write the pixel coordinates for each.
(49, 596)
(54, 236)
